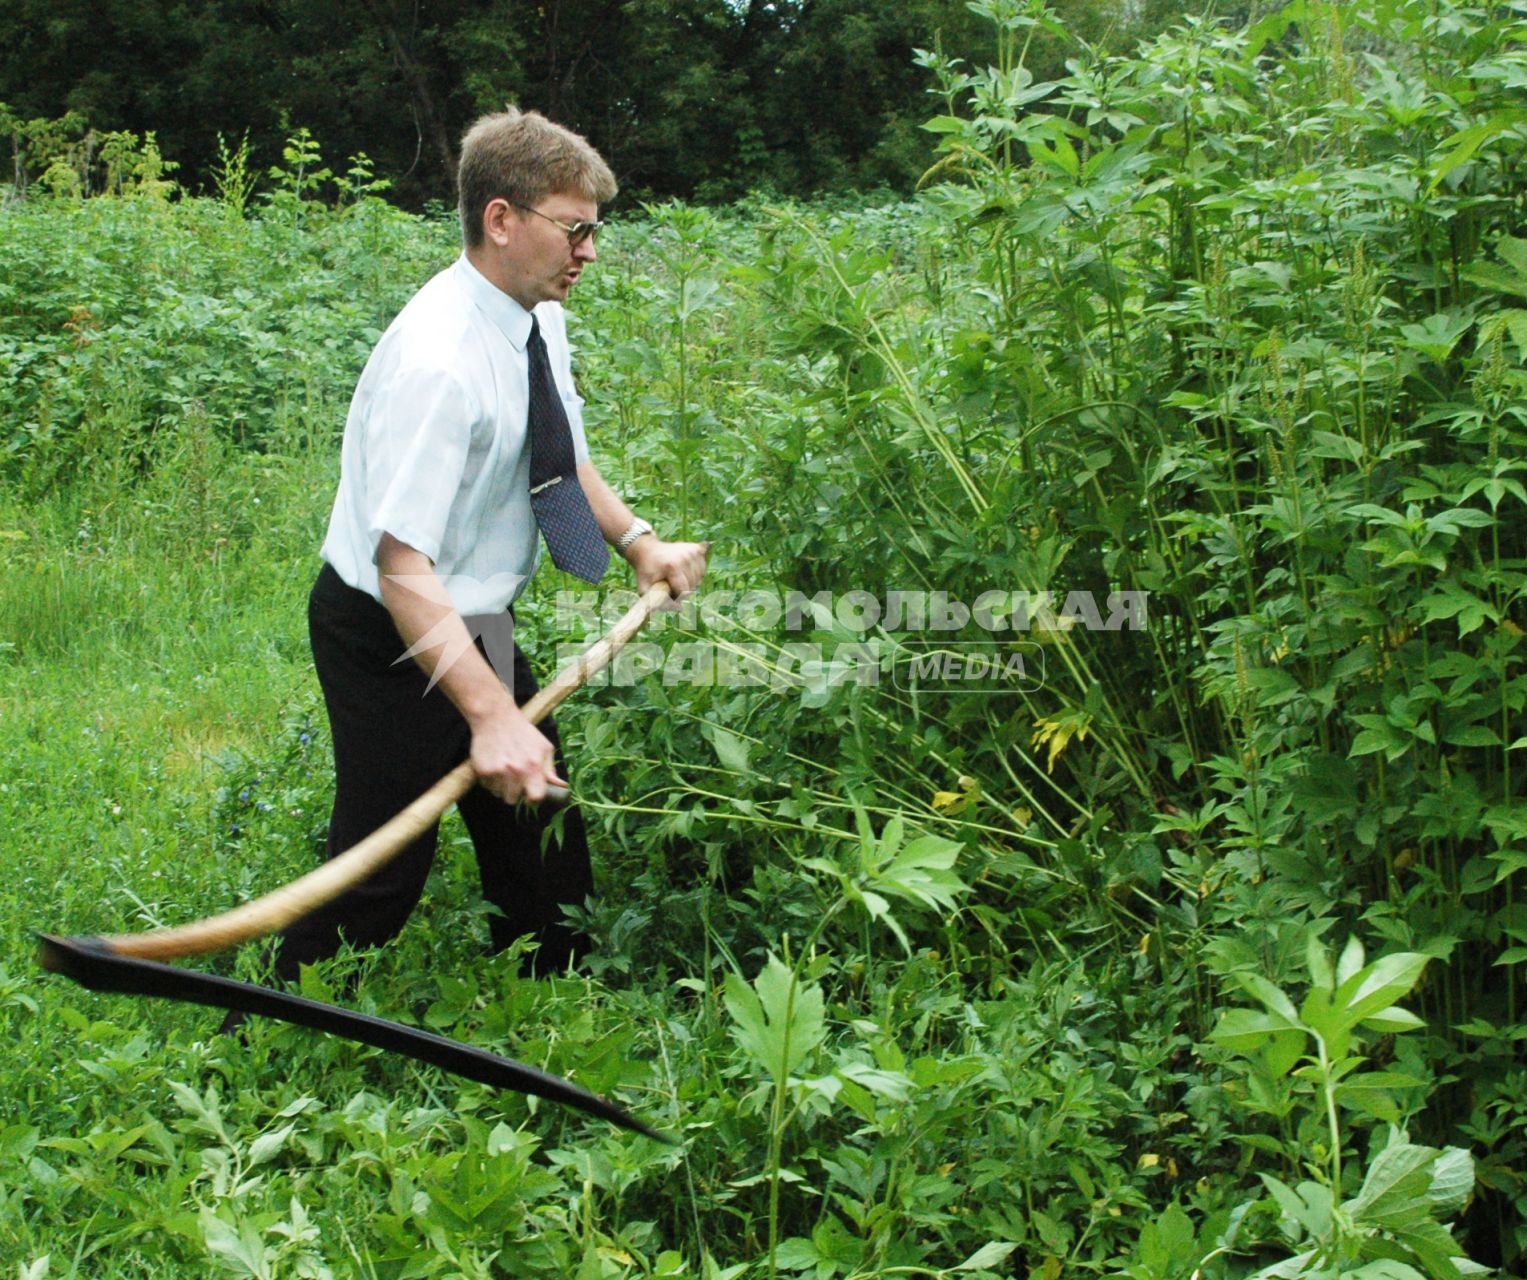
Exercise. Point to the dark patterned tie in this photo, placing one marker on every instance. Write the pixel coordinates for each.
(560, 505)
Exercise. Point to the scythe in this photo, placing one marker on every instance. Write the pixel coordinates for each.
(129, 963)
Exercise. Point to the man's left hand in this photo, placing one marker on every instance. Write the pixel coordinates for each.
(680, 564)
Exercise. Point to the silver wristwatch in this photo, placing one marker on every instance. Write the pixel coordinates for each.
(638, 527)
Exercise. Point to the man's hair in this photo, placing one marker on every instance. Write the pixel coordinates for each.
(522, 157)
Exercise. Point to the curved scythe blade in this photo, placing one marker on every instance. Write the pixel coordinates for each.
(93, 964)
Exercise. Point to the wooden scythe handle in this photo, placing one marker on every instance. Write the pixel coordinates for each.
(282, 906)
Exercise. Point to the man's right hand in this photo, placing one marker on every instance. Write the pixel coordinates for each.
(513, 759)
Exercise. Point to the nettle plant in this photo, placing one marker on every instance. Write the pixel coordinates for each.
(1311, 1069)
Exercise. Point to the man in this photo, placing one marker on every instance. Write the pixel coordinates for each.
(465, 441)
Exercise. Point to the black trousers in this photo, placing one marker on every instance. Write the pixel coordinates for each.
(392, 740)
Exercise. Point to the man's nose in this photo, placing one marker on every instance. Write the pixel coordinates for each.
(584, 250)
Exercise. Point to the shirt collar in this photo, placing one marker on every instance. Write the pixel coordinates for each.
(513, 320)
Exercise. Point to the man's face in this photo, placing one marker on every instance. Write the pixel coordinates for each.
(540, 264)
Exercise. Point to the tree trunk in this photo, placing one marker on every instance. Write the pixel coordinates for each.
(428, 118)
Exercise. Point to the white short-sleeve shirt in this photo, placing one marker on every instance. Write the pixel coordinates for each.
(435, 450)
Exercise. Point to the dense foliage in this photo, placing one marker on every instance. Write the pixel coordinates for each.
(1199, 955)
(713, 98)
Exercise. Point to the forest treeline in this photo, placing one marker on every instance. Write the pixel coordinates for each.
(704, 99)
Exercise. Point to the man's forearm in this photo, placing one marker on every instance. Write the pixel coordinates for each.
(512, 758)
(613, 515)
(424, 616)
(680, 564)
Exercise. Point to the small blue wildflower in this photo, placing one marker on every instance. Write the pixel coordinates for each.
(244, 794)
(303, 738)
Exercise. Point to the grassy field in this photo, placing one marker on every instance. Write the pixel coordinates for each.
(1199, 956)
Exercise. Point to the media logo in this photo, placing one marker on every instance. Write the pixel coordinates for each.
(986, 666)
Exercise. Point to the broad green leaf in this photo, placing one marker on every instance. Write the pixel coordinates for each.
(1513, 320)
(1462, 146)
(1452, 1182)
(1399, 1173)
(1437, 335)
(1061, 157)
(731, 750)
(1455, 518)
(592, 1267)
(239, 1250)
(1378, 986)
(1471, 735)
(1049, 1230)
(1262, 1142)
(1508, 862)
(18, 1141)
(890, 839)
(987, 1256)
(1351, 961)
(887, 1084)
(797, 1254)
(695, 293)
(1498, 278)
(1430, 1242)
(920, 873)
(1271, 997)
(1318, 962)
(268, 1145)
(1327, 792)
(1373, 1093)
(1513, 248)
(1320, 1015)
(1394, 1021)
(778, 1021)
(1452, 601)
(1379, 737)
(1309, 1204)
(1248, 1031)
(1175, 1230)
(1380, 1080)
(1372, 511)
(1510, 279)
(1273, 26)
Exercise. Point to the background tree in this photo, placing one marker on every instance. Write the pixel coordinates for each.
(689, 98)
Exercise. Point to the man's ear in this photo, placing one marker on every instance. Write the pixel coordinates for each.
(498, 218)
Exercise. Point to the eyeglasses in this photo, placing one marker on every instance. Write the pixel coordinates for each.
(577, 232)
